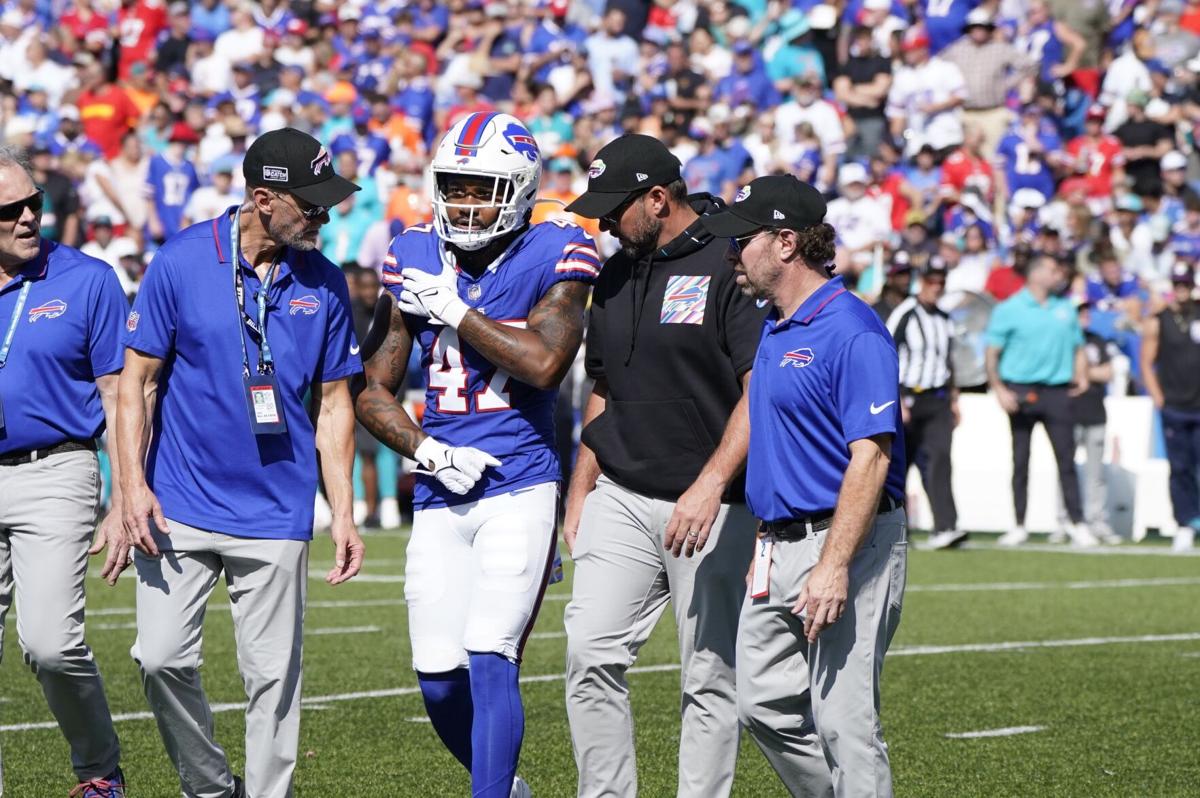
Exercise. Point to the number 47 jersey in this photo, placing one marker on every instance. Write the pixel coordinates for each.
(468, 400)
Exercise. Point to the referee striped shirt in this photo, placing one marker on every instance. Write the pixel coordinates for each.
(923, 343)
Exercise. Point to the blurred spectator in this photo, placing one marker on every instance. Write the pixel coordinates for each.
(1098, 158)
(1091, 420)
(1028, 154)
(370, 149)
(139, 23)
(806, 105)
(748, 82)
(1130, 238)
(788, 49)
(208, 202)
(1035, 365)
(111, 248)
(611, 53)
(1127, 75)
(968, 167)
(862, 222)
(922, 179)
(60, 203)
(1090, 21)
(925, 102)
(1009, 278)
(243, 40)
(862, 87)
(211, 16)
(915, 241)
(897, 285)
(975, 265)
(106, 110)
(928, 396)
(991, 68)
(1144, 144)
(1048, 42)
(1176, 191)
(170, 181)
(1170, 357)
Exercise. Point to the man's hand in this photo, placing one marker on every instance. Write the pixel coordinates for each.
(571, 515)
(905, 413)
(823, 599)
(348, 549)
(954, 412)
(1156, 396)
(693, 517)
(138, 505)
(1008, 399)
(111, 533)
(436, 294)
(1079, 388)
(458, 468)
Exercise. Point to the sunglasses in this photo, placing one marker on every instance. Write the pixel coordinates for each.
(613, 217)
(310, 212)
(741, 242)
(14, 210)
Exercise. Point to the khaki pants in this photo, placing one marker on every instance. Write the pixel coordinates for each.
(993, 122)
(623, 579)
(47, 519)
(814, 709)
(267, 581)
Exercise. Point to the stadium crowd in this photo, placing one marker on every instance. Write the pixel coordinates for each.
(971, 135)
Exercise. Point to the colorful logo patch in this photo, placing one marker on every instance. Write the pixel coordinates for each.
(595, 169)
(49, 310)
(132, 322)
(275, 174)
(306, 305)
(522, 142)
(321, 161)
(797, 358)
(685, 299)
(743, 194)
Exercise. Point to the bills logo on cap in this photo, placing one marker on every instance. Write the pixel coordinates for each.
(132, 322)
(276, 174)
(777, 216)
(595, 169)
(306, 305)
(49, 310)
(743, 194)
(522, 142)
(797, 358)
(321, 161)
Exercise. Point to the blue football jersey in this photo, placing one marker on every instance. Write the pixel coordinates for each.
(469, 401)
(169, 186)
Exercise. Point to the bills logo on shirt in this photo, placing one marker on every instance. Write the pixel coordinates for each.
(797, 358)
(49, 310)
(306, 305)
(685, 299)
(132, 322)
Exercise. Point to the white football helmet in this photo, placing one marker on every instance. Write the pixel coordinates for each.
(492, 146)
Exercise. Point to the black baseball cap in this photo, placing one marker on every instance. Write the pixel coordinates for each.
(295, 162)
(625, 166)
(773, 201)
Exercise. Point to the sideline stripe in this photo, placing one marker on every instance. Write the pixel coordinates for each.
(327, 630)
(1008, 731)
(899, 651)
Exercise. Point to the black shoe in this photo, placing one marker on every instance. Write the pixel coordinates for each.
(372, 522)
(239, 789)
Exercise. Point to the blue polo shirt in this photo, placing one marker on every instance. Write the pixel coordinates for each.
(825, 377)
(1036, 342)
(205, 465)
(68, 334)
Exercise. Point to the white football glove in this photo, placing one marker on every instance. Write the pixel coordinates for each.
(434, 296)
(458, 468)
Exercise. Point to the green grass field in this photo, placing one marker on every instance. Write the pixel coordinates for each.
(1112, 681)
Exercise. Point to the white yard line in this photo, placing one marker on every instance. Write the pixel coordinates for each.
(1131, 549)
(547, 635)
(966, 587)
(363, 578)
(1008, 731)
(344, 630)
(899, 651)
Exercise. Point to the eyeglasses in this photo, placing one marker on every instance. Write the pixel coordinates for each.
(741, 242)
(14, 210)
(613, 217)
(311, 212)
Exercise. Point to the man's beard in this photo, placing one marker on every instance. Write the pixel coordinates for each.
(643, 239)
(294, 238)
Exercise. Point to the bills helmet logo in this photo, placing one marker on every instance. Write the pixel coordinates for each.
(595, 169)
(743, 194)
(306, 305)
(131, 323)
(522, 142)
(321, 161)
(49, 310)
(797, 358)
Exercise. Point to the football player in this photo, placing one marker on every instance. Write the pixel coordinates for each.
(496, 306)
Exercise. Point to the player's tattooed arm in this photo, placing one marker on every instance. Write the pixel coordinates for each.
(376, 405)
(540, 354)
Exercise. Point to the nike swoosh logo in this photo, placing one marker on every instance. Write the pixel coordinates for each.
(354, 349)
(877, 410)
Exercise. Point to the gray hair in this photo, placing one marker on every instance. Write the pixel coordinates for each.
(15, 156)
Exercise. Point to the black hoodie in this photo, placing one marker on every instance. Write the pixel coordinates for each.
(672, 335)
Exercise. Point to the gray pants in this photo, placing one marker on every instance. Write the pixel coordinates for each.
(267, 582)
(623, 578)
(47, 519)
(1095, 486)
(814, 709)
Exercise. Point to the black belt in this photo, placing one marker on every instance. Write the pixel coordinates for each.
(800, 528)
(940, 392)
(32, 455)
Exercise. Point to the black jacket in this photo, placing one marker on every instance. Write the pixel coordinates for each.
(671, 334)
